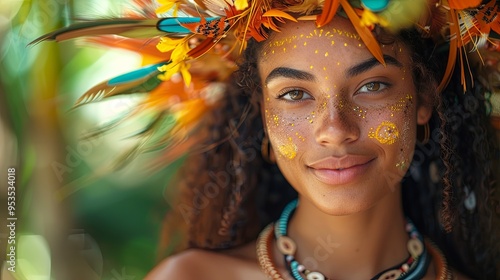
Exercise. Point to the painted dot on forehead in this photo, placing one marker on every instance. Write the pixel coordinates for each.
(386, 133)
(326, 54)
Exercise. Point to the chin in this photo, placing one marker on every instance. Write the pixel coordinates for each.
(343, 204)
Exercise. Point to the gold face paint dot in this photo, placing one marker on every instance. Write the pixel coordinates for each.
(272, 52)
(386, 133)
(326, 78)
(360, 112)
(338, 63)
(359, 45)
(276, 120)
(345, 44)
(294, 46)
(401, 104)
(326, 54)
(324, 68)
(401, 165)
(333, 42)
(311, 67)
(316, 51)
(305, 43)
(284, 49)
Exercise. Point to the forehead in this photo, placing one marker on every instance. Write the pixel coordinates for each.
(292, 31)
(338, 38)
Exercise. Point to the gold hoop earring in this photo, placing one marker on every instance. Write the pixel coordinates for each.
(426, 133)
(266, 150)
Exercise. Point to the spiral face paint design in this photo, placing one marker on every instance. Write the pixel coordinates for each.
(386, 133)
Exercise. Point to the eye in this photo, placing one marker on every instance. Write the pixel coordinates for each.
(373, 87)
(295, 95)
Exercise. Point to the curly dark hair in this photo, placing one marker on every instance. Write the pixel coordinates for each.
(230, 192)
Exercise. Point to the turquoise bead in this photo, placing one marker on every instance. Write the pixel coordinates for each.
(375, 5)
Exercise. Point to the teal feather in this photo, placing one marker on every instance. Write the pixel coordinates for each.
(138, 81)
(135, 75)
(174, 25)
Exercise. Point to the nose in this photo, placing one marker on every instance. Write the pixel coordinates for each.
(336, 125)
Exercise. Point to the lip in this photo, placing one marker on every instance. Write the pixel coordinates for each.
(340, 170)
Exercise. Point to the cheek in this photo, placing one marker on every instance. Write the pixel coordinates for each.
(394, 129)
(287, 132)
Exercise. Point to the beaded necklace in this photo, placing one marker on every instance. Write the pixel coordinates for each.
(414, 267)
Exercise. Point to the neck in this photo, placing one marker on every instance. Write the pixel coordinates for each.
(355, 246)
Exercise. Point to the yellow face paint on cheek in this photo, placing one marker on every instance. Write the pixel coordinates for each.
(386, 133)
(288, 150)
(402, 104)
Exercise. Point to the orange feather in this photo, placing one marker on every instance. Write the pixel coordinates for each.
(363, 31)
(329, 10)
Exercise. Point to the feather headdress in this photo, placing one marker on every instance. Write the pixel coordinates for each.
(190, 55)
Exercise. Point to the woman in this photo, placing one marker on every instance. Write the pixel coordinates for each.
(340, 111)
(343, 128)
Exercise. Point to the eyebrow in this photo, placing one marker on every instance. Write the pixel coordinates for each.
(289, 73)
(353, 71)
(370, 63)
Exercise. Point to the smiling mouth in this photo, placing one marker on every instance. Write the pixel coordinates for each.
(341, 163)
(339, 171)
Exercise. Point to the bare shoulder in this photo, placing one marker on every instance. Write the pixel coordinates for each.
(179, 266)
(204, 264)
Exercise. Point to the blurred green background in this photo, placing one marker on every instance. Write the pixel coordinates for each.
(74, 222)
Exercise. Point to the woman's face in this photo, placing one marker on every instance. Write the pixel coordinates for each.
(342, 125)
